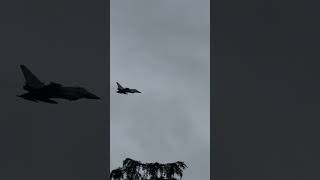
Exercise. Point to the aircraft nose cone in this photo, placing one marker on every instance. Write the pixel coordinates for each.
(92, 96)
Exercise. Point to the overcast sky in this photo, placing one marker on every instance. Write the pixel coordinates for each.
(162, 49)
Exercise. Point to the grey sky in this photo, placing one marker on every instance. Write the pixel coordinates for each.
(162, 49)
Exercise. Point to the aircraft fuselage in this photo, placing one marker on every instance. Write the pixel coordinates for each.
(69, 93)
(38, 91)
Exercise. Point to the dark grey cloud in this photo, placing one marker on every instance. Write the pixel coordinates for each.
(162, 49)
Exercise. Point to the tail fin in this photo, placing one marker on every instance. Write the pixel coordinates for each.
(31, 80)
(119, 86)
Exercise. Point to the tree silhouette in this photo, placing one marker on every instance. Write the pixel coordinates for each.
(135, 170)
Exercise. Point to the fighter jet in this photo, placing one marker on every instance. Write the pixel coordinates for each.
(122, 90)
(38, 91)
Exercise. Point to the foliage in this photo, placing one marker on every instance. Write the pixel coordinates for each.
(135, 170)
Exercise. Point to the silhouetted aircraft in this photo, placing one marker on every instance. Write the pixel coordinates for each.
(38, 91)
(122, 90)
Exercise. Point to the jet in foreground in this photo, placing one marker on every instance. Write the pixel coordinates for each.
(38, 91)
(122, 90)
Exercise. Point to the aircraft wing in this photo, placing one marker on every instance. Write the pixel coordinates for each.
(25, 96)
(48, 101)
(31, 80)
(119, 86)
(53, 85)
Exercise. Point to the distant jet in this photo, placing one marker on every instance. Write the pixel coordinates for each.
(38, 91)
(122, 90)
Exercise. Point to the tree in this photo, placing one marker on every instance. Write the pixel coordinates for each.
(135, 170)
